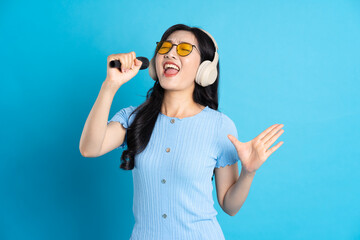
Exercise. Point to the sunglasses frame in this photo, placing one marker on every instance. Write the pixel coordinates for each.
(177, 45)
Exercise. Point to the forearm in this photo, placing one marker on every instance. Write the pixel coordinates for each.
(238, 192)
(95, 126)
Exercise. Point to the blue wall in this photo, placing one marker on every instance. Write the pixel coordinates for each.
(290, 62)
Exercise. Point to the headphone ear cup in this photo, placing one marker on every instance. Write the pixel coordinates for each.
(200, 72)
(206, 74)
(152, 69)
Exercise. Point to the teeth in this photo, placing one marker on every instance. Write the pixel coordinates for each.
(171, 66)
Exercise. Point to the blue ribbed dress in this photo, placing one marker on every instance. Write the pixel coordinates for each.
(172, 176)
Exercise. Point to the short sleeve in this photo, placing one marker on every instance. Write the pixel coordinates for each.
(227, 154)
(124, 118)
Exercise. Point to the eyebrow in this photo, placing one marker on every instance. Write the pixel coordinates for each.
(180, 42)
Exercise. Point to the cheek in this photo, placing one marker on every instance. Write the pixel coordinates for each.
(158, 61)
(190, 68)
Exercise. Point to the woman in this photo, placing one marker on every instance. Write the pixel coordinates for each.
(177, 140)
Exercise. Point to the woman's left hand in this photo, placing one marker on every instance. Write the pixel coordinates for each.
(254, 153)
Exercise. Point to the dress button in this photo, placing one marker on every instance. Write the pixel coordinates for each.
(164, 215)
(167, 149)
(163, 181)
(172, 120)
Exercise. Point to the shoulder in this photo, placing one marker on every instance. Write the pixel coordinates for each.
(124, 116)
(130, 108)
(226, 120)
(127, 111)
(221, 118)
(213, 114)
(226, 126)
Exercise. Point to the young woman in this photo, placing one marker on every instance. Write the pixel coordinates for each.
(177, 140)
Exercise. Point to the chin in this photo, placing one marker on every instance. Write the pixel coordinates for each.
(169, 79)
(167, 83)
(170, 83)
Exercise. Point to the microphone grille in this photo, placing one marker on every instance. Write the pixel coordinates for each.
(145, 62)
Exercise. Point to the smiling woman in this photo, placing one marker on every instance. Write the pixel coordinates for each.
(186, 83)
(176, 139)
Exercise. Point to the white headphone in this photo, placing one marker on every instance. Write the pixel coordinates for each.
(207, 71)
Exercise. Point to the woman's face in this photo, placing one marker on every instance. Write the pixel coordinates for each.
(188, 64)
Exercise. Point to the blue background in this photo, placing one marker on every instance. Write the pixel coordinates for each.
(290, 62)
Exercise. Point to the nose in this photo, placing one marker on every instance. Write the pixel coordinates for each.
(172, 53)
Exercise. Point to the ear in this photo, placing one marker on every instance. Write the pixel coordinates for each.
(152, 69)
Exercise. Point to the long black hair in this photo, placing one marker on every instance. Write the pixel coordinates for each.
(140, 130)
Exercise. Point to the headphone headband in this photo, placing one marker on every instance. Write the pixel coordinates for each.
(216, 46)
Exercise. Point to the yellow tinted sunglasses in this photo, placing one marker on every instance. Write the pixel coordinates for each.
(183, 49)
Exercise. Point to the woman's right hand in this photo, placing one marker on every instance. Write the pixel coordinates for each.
(130, 66)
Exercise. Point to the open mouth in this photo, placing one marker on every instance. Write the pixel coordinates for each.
(170, 69)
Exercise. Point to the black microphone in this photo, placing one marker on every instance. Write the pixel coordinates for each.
(117, 63)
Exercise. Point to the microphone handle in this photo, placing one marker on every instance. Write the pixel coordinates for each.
(117, 63)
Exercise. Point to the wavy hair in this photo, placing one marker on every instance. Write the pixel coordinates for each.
(140, 130)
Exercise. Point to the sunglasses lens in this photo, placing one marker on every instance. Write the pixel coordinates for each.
(184, 49)
(163, 47)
